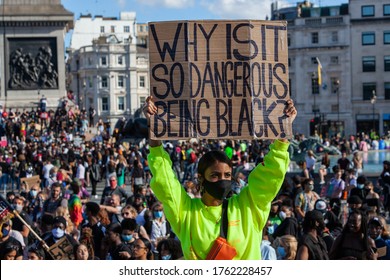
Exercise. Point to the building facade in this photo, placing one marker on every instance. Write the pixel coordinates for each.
(107, 69)
(340, 41)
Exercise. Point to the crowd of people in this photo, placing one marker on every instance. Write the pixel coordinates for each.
(334, 212)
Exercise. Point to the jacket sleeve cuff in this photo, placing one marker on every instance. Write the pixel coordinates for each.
(279, 145)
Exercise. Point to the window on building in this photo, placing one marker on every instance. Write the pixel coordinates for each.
(386, 10)
(314, 38)
(314, 60)
(90, 82)
(104, 103)
(368, 11)
(142, 81)
(126, 29)
(368, 89)
(141, 28)
(334, 59)
(103, 60)
(368, 38)
(121, 103)
(120, 60)
(104, 82)
(101, 29)
(386, 37)
(387, 90)
(335, 36)
(387, 63)
(112, 28)
(368, 63)
(315, 88)
(89, 61)
(289, 62)
(142, 101)
(288, 40)
(121, 81)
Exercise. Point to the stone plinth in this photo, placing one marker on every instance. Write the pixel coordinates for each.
(32, 55)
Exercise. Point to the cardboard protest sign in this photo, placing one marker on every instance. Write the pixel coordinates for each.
(30, 181)
(62, 250)
(219, 79)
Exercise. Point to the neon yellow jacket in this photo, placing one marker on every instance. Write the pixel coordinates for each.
(198, 225)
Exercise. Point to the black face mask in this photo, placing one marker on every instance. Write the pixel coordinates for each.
(219, 189)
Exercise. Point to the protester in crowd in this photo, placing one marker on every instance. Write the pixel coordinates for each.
(332, 222)
(17, 224)
(357, 160)
(169, 249)
(384, 180)
(10, 250)
(289, 225)
(336, 186)
(80, 252)
(35, 253)
(286, 247)
(55, 200)
(138, 176)
(113, 208)
(57, 233)
(160, 227)
(305, 201)
(359, 190)
(372, 199)
(375, 229)
(344, 163)
(113, 189)
(64, 212)
(215, 175)
(98, 229)
(354, 242)
(142, 249)
(311, 246)
(267, 251)
(118, 250)
(310, 162)
(75, 206)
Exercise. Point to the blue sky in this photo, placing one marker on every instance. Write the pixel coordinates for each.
(157, 10)
(161, 10)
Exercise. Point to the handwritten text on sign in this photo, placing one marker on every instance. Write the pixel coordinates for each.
(219, 79)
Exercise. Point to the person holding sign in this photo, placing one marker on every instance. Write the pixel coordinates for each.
(200, 222)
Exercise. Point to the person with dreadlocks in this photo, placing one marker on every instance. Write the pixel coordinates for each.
(354, 243)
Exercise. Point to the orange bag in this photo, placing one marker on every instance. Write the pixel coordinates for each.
(221, 250)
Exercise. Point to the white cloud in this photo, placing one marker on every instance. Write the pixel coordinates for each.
(240, 9)
(175, 4)
(121, 3)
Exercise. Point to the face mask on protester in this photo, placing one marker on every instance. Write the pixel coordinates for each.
(33, 193)
(126, 237)
(58, 233)
(5, 232)
(158, 214)
(166, 257)
(219, 189)
(270, 230)
(360, 186)
(18, 207)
